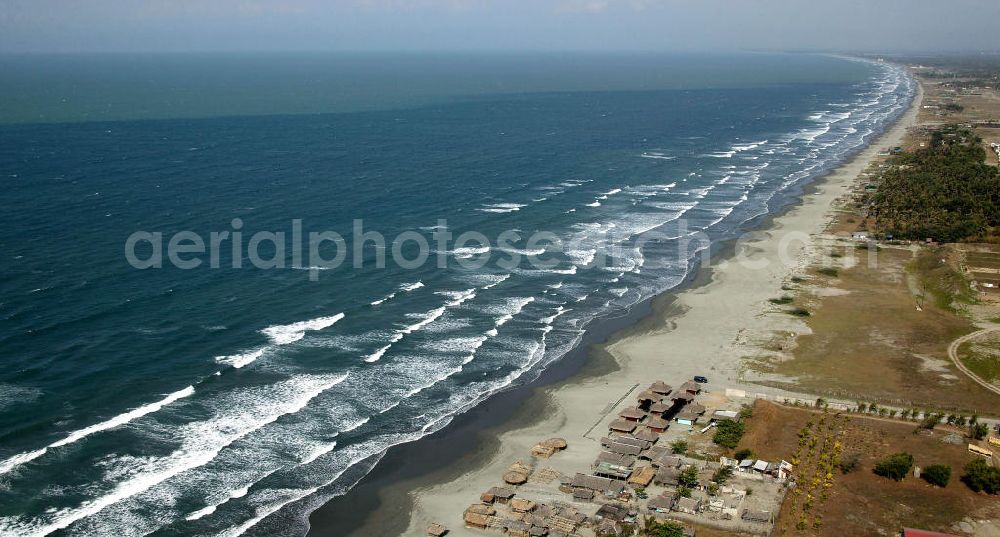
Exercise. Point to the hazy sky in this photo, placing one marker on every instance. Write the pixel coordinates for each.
(119, 25)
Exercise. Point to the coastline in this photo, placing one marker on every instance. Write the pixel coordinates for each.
(702, 323)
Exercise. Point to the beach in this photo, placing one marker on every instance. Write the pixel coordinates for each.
(702, 330)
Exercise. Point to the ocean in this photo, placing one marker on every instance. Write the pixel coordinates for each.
(233, 397)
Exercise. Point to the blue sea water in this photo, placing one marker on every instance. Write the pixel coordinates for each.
(228, 401)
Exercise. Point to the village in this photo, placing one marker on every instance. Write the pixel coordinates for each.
(642, 468)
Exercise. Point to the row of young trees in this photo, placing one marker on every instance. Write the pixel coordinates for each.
(945, 191)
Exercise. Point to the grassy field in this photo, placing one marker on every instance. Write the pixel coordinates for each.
(881, 332)
(861, 503)
(982, 356)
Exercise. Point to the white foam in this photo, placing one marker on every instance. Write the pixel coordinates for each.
(748, 147)
(657, 156)
(283, 334)
(240, 360)
(80, 434)
(201, 442)
(201, 513)
(497, 281)
(502, 207)
(407, 287)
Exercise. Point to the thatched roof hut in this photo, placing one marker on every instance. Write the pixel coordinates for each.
(691, 387)
(481, 509)
(659, 408)
(668, 476)
(646, 435)
(624, 449)
(658, 425)
(522, 505)
(642, 477)
(515, 478)
(436, 530)
(661, 388)
(622, 426)
(632, 414)
(476, 520)
(555, 443)
(501, 494)
(664, 502)
(541, 451)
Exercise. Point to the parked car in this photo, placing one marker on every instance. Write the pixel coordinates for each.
(700, 379)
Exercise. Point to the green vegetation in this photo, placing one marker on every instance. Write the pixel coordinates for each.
(722, 474)
(828, 271)
(895, 466)
(981, 477)
(728, 433)
(782, 301)
(679, 447)
(689, 476)
(663, 529)
(798, 312)
(946, 191)
(743, 454)
(930, 421)
(981, 358)
(937, 474)
(979, 430)
(797, 279)
(948, 287)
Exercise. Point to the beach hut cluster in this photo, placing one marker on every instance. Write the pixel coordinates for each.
(500, 510)
(629, 451)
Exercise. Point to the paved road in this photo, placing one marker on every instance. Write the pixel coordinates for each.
(953, 354)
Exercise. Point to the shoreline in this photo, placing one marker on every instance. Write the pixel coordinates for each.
(433, 479)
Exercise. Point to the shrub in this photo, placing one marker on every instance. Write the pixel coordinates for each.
(895, 466)
(930, 421)
(799, 312)
(937, 474)
(782, 301)
(728, 433)
(981, 477)
(663, 529)
(689, 476)
(746, 411)
(797, 279)
(828, 271)
(743, 454)
(684, 492)
(722, 474)
(979, 430)
(679, 447)
(850, 463)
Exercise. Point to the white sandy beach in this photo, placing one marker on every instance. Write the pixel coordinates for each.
(708, 337)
